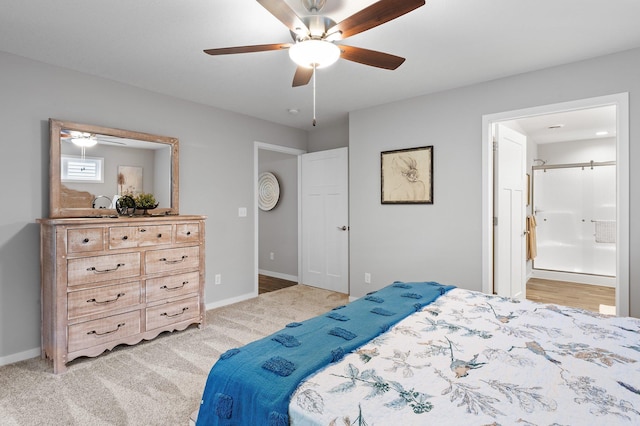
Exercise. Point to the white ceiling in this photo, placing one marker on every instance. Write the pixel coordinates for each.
(578, 125)
(157, 45)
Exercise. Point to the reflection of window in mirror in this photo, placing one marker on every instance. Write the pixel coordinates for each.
(78, 169)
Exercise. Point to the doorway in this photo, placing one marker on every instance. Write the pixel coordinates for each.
(620, 101)
(277, 242)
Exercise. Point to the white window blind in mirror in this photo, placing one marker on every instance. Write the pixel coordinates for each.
(78, 169)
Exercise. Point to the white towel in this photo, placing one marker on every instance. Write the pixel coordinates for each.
(605, 231)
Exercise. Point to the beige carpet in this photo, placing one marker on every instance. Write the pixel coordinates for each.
(158, 382)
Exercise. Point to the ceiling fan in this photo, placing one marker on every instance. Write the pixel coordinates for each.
(322, 31)
(314, 36)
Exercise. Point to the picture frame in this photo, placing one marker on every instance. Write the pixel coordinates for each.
(406, 176)
(129, 180)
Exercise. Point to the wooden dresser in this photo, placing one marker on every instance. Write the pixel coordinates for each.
(109, 281)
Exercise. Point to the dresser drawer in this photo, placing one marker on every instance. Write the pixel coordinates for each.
(102, 268)
(102, 299)
(187, 232)
(104, 330)
(169, 260)
(87, 239)
(139, 236)
(172, 286)
(174, 312)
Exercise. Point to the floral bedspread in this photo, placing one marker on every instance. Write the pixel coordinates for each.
(473, 359)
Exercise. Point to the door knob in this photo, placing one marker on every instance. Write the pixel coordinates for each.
(343, 228)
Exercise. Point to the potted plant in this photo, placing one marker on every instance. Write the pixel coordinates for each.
(145, 201)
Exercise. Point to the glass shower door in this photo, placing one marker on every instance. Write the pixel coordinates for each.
(575, 210)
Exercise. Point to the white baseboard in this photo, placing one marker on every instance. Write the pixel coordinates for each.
(231, 300)
(20, 356)
(278, 275)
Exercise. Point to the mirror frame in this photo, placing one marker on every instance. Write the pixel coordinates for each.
(55, 183)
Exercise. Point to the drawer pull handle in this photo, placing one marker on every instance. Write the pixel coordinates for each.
(86, 240)
(164, 314)
(143, 230)
(164, 259)
(106, 332)
(104, 302)
(125, 238)
(103, 271)
(159, 235)
(164, 287)
(188, 232)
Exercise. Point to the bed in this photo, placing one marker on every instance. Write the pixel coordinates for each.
(439, 355)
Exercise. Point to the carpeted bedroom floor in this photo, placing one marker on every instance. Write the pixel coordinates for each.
(158, 382)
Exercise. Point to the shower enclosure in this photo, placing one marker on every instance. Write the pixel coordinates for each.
(575, 210)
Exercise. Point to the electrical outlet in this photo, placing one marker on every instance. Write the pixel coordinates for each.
(271, 256)
(218, 279)
(367, 278)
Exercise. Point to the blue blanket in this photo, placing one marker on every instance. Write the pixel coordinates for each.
(252, 385)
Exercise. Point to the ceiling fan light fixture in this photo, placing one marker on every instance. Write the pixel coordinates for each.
(85, 140)
(314, 52)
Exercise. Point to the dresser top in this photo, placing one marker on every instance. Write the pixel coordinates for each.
(116, 219)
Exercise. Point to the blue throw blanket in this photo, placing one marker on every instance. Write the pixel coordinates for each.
(252, 385)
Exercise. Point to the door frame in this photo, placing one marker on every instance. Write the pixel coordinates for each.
(257, 146)
(621, 101)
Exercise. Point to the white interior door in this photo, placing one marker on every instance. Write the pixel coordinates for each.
(510, 210)
(325, 220)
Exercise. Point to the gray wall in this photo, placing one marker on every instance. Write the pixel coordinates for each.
(324, 138)
(443, 241)
(436, 242)
(216, 159)
(278, 228)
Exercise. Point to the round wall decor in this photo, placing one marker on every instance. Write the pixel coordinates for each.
(268, 191)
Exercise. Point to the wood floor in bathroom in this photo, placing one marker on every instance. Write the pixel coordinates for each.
(585, 296)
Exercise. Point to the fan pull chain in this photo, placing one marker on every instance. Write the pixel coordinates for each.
(314, 94)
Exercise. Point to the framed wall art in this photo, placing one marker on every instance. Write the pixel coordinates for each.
(129, 180)
(407, 176)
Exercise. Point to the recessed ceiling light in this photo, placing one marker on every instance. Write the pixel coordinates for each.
(556, 126)
(293, 111)
(602, 133)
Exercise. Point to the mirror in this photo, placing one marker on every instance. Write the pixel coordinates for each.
(91, 167)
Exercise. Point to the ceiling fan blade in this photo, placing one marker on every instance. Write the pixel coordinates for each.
(286, 15)
(370, 57)
(247, 49)
(302, 76)
(374, 15)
